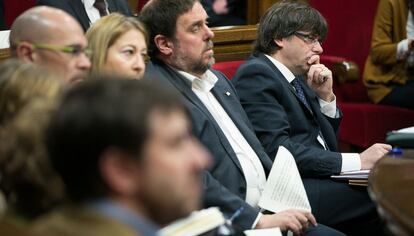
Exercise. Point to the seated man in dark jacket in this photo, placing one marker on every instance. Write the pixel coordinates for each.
(288, 97)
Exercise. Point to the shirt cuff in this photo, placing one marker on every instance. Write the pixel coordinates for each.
(402, 49)
(350, 162)
(328, 108)
(257, 220)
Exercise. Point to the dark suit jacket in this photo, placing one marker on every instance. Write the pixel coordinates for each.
(77, 9)
(280, 118)
(225, 185)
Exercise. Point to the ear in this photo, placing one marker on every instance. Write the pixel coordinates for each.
(164, 45)
(279, 42)
(24, 52)
(119, 171)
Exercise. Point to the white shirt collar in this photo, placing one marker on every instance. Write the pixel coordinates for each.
(88, 3)
(205, 83)
(282, 68)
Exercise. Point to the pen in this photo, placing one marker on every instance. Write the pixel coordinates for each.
(236, 214)
(396, 151)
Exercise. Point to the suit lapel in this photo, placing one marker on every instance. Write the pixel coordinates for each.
(286, 83)
(230, 103)
(111, 6)
(326, 129)
(184, 86)
(79, 10)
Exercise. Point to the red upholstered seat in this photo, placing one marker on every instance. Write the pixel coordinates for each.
(13, 8)
(350, 27)
(141, 4)
(228, 68)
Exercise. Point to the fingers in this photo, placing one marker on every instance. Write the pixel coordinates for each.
(311, 218)
(319, 74)
(315, 59)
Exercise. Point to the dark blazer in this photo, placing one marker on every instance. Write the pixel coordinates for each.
(280, 118)
(77, 9)
(225, 185)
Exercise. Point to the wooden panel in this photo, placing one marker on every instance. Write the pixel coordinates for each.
(233, 42)
(391, 185)
(4, 54)
(133, 5)
(256, 9)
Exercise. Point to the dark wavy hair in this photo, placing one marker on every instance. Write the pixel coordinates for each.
(160, 17)
(283, 19)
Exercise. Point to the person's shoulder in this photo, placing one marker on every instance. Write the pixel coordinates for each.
(78, 220)
(255, 66)
(255, 63)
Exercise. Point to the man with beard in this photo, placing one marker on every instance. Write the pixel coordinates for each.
(181, 53)
(126, 155)
(51, 38)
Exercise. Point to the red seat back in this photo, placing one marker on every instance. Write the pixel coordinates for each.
(13, 8)
(228, 68)
(350, 25)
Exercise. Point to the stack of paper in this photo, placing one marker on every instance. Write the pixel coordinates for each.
(359, 177)
(197, 223)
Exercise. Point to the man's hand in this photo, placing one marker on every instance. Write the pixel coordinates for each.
(294, 220)
(371, 155)
(320, 79)
(220, 7)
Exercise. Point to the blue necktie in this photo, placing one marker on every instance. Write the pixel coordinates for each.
(299, 92)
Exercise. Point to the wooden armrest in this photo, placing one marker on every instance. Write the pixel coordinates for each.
(343, 70)
(4, 54)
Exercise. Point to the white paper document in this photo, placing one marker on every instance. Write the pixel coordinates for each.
(358, 174)
(263, 232)
(284, 187)
(408, 130)
(4, 39)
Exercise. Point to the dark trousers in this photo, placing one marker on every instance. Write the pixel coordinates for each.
(401, 96)
(346, 208)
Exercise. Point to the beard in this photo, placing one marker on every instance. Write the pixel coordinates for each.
(197, 66)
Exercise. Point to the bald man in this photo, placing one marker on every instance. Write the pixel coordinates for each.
(52, 39)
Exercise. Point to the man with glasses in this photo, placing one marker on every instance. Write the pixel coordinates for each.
(288, 97)
(52, 39)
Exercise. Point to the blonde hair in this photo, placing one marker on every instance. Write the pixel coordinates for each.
(22, 82)
(105, 32)
(30, 184)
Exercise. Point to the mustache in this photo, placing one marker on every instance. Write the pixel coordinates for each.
(209, 45)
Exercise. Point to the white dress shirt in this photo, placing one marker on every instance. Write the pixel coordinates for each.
(91, 11)
(402, 47)
(252, 167)
(350, 161)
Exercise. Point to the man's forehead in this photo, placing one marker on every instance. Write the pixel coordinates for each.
(195, 14)
(71, 35)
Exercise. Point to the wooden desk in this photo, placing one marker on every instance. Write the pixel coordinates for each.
(391, 186)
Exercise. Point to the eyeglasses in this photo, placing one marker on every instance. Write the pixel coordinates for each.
(73, 50)
(308, 38)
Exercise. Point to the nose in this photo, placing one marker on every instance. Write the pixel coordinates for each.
(84, 63)
(317, 47)
(201, 156)
(139, 63)
(209, 32)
